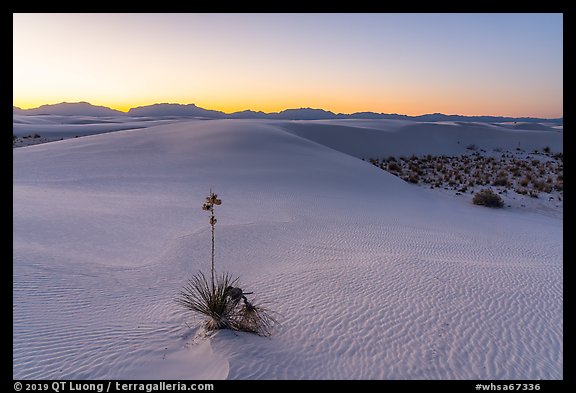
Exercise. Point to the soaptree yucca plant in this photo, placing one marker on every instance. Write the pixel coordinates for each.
(221, 300)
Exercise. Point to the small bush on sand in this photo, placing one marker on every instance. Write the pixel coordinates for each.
(221, 300)
(488, 198)
(225, 305)
(501, 181)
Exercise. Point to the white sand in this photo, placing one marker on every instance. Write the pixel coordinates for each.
(372, 277)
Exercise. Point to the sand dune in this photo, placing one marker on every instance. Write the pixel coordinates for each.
(372, 278)
(380, 138)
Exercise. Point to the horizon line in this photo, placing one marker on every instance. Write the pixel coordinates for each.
(285, 109)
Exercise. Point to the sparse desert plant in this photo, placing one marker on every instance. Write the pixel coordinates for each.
(487, 197)
(546, 150)
(392, 166)
(559, 186)
(221, 300)
(413, 178)
(538, 184)
(209, 299)
(501, 181)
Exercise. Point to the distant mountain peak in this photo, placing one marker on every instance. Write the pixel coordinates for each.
(84, 108)
(171, 109)
(72, 109)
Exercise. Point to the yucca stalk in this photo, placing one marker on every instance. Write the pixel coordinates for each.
(212, 200)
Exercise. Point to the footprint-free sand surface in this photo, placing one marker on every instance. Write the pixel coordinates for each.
(371, 277)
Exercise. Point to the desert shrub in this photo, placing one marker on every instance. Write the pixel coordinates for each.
(487, 197)
(559, 186)
(546, 149)
(472, 147)
(35, 136)
(538, 184)
(413, 178)
(225, 305)
(209, 299)
(501, 181)
(392, 166)
(220, 300)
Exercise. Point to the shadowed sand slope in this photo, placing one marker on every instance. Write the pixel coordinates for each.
(382, 138)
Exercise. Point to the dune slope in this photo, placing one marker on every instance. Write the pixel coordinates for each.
(372, 278)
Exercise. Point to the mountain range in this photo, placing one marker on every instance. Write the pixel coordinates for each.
(191, 110)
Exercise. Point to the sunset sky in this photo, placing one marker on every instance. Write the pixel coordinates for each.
(469, 64)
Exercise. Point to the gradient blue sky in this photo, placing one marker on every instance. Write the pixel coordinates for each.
(469, 64)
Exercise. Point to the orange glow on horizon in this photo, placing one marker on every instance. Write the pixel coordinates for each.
(408, 64)
(278, 106)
